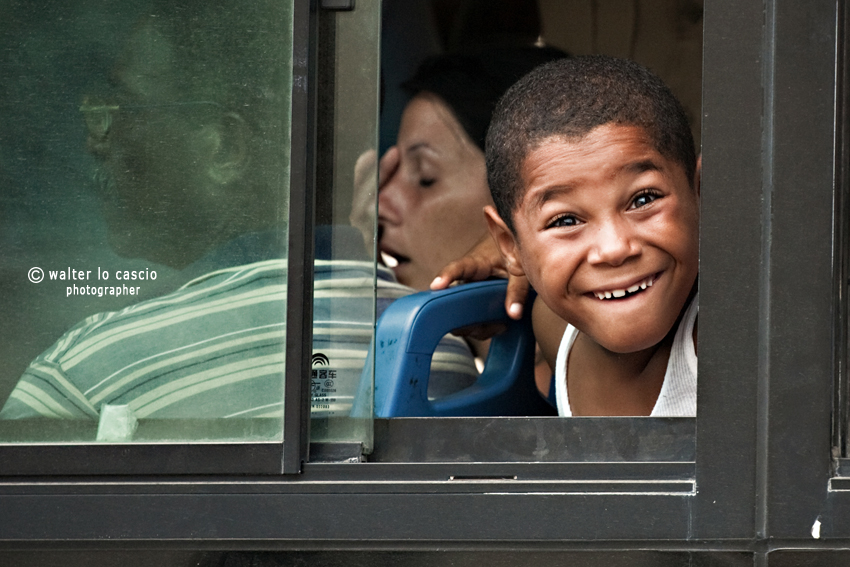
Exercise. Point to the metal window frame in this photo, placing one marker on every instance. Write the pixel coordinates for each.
(762, 472)
(608, 499)
(806, 478)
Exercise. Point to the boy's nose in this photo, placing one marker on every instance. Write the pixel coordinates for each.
(614, 244)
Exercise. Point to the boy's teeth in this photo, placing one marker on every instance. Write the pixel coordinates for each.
(617, 293)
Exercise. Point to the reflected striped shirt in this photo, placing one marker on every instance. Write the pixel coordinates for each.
(215, 348)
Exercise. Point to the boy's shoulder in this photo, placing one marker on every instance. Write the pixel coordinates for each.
(664, 384)
(548, 330)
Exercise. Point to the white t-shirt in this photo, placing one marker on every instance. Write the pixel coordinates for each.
(678, 396)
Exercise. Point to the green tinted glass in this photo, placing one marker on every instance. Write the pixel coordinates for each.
(144, 182)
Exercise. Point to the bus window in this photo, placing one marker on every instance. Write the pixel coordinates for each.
(144, 154)
(469, 27)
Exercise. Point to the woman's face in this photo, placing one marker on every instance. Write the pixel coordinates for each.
(430, 204)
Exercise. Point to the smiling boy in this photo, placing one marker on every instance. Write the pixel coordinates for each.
(592, 168)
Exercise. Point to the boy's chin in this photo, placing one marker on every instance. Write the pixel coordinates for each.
(628, 343)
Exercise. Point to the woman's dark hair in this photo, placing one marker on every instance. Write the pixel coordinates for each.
(471, 83)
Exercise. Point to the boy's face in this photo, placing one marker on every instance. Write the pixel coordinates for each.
(601, 216)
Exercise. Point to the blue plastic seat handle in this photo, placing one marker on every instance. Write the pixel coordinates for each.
(407, 335)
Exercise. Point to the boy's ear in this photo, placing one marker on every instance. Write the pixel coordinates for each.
(506, 241)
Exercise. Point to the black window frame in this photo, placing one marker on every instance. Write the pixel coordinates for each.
(770, 354)
(807, 489)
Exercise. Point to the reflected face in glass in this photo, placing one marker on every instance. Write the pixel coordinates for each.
(607, 233)
(154, 155)
(430, 207)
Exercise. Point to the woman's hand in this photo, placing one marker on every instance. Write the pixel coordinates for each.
(364, 201)
(368, 181)
(485, 261)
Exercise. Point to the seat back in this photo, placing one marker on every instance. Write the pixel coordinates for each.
(407, 335)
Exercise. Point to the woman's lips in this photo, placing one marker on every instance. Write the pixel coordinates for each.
(388, 260)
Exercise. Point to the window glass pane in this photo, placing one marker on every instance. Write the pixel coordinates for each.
(350, 289)
(144, 184)
(345, 270)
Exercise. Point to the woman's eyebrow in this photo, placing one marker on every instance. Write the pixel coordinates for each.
(419, 147)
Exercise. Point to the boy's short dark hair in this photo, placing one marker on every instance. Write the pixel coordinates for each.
(568, 98)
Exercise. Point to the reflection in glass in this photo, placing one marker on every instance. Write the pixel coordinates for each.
(345, 280)
(350, 289)
(153, 153)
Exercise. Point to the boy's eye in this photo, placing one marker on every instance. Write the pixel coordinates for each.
(426, 181)
(564, 221)
(644, 198)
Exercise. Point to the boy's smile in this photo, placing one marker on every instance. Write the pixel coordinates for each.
(607, 233)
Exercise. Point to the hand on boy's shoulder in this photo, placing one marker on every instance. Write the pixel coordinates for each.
(484, 261)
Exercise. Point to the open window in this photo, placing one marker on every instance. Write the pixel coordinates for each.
(411, 32)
